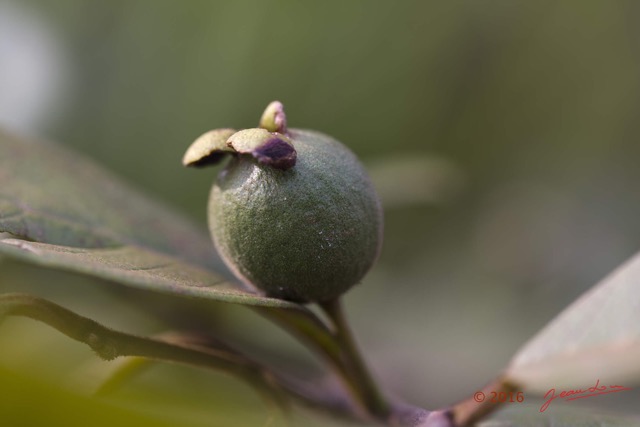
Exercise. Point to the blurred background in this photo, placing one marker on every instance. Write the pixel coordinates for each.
(502, 135)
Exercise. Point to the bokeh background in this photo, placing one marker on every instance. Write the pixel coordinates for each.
(502, 135)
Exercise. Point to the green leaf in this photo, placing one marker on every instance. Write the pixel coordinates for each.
(51, 195)
(595, 338)
(61, 210)
(138, 267)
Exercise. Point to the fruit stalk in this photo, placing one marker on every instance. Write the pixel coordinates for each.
(363, 385)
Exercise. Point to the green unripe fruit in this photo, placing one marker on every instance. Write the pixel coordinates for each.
(307, 233)
(306, 228)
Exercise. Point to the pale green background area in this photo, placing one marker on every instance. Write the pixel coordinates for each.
(535, 103)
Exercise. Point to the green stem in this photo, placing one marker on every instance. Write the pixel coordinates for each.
(109, 344)
(338, 347)
(361, 380)
(308, 328)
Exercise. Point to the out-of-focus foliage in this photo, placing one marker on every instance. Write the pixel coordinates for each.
(598, 334)
(534, 103)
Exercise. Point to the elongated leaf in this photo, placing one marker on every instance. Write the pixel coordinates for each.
(139, 267)
(595, 338)
(61, 210)
(49, 194)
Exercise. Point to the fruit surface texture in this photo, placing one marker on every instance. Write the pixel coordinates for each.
(293, 212)
(307, 233)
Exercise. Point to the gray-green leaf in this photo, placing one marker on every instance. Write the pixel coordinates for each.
(595, 338)
(62, 210)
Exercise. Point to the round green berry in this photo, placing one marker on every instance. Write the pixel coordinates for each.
(293, 213)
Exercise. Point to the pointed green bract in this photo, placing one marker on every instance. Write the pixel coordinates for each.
(208, 149)
(269, 148)
(247, 140)
(274, 119)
